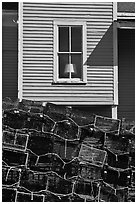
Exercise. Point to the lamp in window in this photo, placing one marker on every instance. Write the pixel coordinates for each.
(70, 68)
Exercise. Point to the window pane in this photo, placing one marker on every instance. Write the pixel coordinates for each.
(63, 60)
(63, 39)
(77, 61)
(76, 39)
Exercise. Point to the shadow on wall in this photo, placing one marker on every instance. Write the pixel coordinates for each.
(102, 55)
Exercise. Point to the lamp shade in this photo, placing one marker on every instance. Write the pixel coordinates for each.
(70, 68)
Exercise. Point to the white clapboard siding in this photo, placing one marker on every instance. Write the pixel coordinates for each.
(38, 50)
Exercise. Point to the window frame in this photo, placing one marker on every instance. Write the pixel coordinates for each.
(69, 22)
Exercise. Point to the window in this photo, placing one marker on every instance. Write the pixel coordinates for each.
(69, 51)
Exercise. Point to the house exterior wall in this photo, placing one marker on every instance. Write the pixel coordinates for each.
(36, 48)
(9, 55)
(126, 60)
(126, 63)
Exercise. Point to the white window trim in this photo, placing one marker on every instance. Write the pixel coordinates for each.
(84, 49)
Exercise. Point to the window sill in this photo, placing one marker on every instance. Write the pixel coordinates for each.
(69, 83)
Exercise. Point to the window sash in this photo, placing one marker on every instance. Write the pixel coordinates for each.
(68, 23)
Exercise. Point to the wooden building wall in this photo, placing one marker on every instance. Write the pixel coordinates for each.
(37, 49)
(9, 55)
(126, 63)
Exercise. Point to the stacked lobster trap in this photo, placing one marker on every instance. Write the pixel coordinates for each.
(54, 154)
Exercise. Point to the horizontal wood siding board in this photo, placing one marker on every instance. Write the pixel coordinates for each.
(46, 87)
(38, 45)
(69, 98)
(77, 89)
(49, 21)
(53, 4)
(71, 102)
(80, 17)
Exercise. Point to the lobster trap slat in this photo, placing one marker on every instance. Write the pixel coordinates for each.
(107, 124)
(92, 155)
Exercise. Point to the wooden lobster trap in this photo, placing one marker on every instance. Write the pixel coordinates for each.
(67, 129)
(95, 138)
(40, 143)
(48, 124)
(72, 198)
(28, 197)
(71, 169)
(92, 155)
(107, 193)
(58, 185)
(30, 106)
(83, 187)
(14, 140)
(34, 122)
(49, 162)
(116, 143)
(10, 176)
(33, 181)
(90, 172)
(55, 112)
(131, 194)
(117, 177)
(66, 149)
(14, 158)
(106, 124)
(122, 194)
(8, 194)
(51, 197)
(117, 159)
(15, 118)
